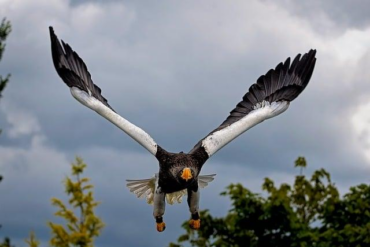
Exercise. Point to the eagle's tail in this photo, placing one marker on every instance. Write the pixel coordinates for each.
(144, 188)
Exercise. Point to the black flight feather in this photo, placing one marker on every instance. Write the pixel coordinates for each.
(72, 69)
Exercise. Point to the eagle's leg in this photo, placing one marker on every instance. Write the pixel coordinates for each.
(159, 208)
(193, 202)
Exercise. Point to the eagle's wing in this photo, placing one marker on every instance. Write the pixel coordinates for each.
(144, 188)
(267, 98)
(73, 71)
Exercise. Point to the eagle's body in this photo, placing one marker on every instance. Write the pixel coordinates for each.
(171, 164)
(179, 173)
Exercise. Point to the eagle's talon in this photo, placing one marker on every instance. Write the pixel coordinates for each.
(194, 224)
(161, 227)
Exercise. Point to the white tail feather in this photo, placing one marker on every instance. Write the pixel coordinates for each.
(144, 188)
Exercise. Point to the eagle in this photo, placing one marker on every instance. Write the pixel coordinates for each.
(179, 173)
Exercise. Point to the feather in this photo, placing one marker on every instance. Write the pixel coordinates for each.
(205, 179)
(144, 188)
(72, 69)
(74, 73)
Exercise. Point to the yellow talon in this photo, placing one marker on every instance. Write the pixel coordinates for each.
(194, 224)
(161, 227)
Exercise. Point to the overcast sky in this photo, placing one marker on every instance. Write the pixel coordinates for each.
(176, 69)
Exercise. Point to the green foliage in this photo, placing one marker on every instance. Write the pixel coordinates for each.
(32, 241)
(307, 213)
(347, 221)
(6, 243)
(5, 29)
(300, 162)
(82, 225)
(83, 228)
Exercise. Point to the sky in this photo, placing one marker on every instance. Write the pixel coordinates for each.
(176, 69)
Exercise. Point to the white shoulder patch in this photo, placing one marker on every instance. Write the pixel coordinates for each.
(261, 112)
(132, 130)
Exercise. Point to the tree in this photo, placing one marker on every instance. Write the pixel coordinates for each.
(82, 225)
(5, 29)
(308, 213)
(6, 243)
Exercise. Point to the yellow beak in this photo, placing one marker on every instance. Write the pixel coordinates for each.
(186, 174)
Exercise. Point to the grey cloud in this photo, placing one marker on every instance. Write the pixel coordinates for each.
(328, 15)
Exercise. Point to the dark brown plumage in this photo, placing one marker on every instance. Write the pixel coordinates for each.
(171, 166)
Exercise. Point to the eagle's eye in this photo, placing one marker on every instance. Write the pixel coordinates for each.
(186, 174)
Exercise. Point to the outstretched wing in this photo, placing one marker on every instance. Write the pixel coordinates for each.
(73, 71)
(267, 98)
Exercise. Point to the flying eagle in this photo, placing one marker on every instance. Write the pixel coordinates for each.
(179, 172)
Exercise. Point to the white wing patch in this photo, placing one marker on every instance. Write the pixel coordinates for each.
(144, 188)
(261, 112)
(132, 130)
